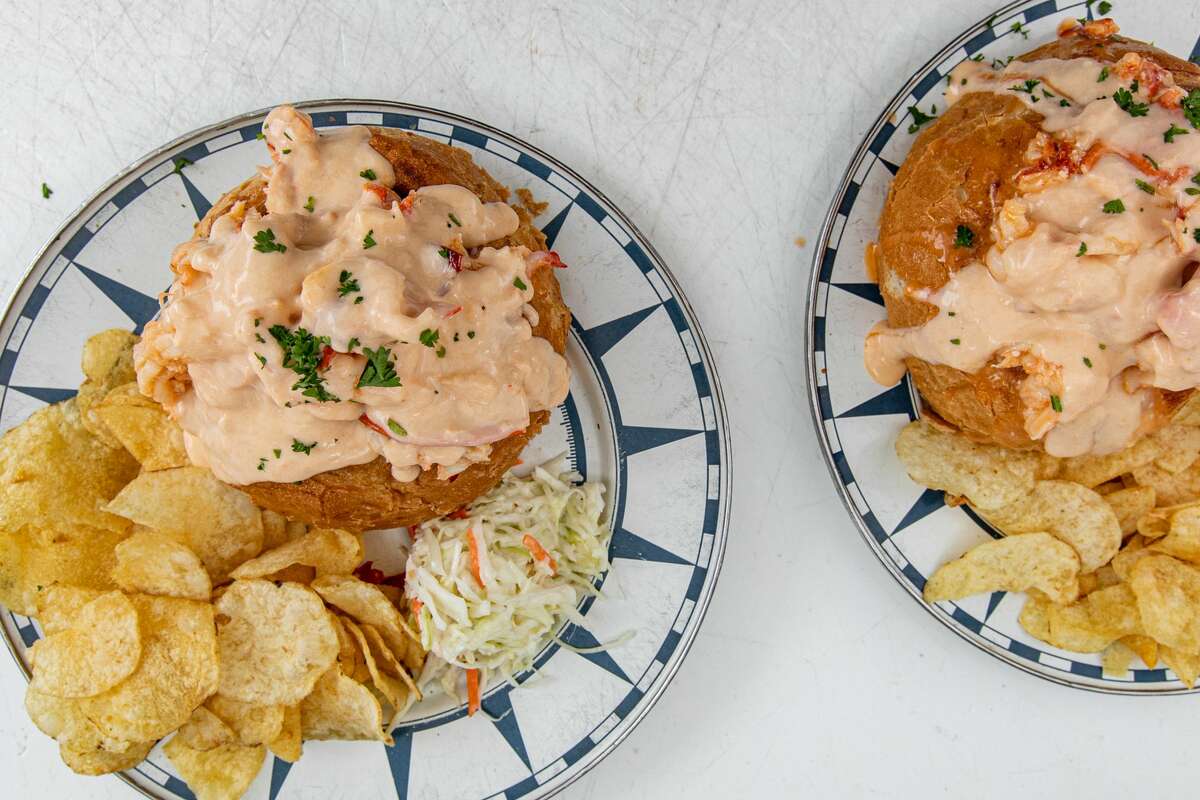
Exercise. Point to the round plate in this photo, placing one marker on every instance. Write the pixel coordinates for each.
(644, 416)
(910, 528)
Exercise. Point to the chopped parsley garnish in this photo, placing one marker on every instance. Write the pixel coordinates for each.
(396, 427)
(1196, 234)
(347, 283)
(1124, 100)
(429, 337)
(262, 464)
(963, 237)
(953, 313)
(443, 252)
(919, 117)
(300, 447)
(1103, 75)
(977, 57)
(264, 242)
(277, 452)
(1196, 179)
(287, 150)
(1082, 249)
(1056, 403)
(260, 135)
(288, 135)
(441, 351)
(379, 370)
(1087, 362)
(311, 204)
(1150, 160)
(1192, 190)
(1103, 346)
(956, 341)
(1145, 187)
(1017, 27)
(303, 353)
(1064, 103)
(1170, 133)
(368, 240)
(257, 321)
(520, 284)
(358, 300)
(261, 359)
(46, 191)
(1114, 206)
(454, 219)
(1027, 87)
(1104, 7)
(369, 174)
(470, 334)
(258, 338)
(180, 163)
(997, 64)
(353, 343)
(1191, 107)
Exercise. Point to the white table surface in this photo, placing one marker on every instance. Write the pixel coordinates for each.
(721, 129)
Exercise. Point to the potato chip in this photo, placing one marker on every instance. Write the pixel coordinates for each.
(1116, 659)
(327, 551)
(1170, 488)
(989, 476)
(390, 686)
(217, 522)
(1180, 447)
(143, 428)
(100, 649)
(253, 724)
(366, 603)
(107, 363)
(55, 475)
(154, 563)
(275, 642)
(223, 773)
(1094, 470)
(1145, 647)
(288, 745)
(390, 663)
(1014, 564)
(77, 556)
(1088, 626)
(1186, 666)
(349, 659)
(204, 730)
(58, 606)
(1130, 504)
(296, 573)
(104, 762)
(1183, 539)
(63, 719)
(1133, 551)
(177, 671)
(342, 708)
(1168, 597)
(1189, 412)
(276, 530)
(1069, 512)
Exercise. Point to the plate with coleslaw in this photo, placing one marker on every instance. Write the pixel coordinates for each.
(554, 609)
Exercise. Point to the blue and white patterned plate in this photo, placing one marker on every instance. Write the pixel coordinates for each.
(909, 528)
(644, 416)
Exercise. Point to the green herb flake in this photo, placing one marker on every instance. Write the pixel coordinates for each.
(1082, 249)
(300, 447)
(964, 236)
(1170, 133)
(1145, 187)
(260, 136)
(379, 371)
(369, 240)
(1103, 346)
(1056, 403)
(1190, 106)
(1192, 190)
(396, 427)
(977, 57)
(1087, 362)
(919, 117)
(287, 150)
(262, 360)
(368, 174)
(262, 464)
(1027, 87)
(353, 343)
(311, 204)
(953, 313)
(1064, 104)
(258, 338)
(264, 242)
(1104, 8)
(443, 252)
(956, 341)
(1196, 234)
(347, 283)
(470, 334)
(180, 163)
(520, 284)
(302, 354)
(454, 219)
(1124, 100)
(46, 191)
(1114, 207)
(1150, 160)
(1103, 75)
(257, 321)
(1017, 27)
(277, 452)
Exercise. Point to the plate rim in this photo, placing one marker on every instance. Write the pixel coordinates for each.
(721, 418)
(814, 282)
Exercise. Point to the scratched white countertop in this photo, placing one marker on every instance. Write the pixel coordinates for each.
(721, 128)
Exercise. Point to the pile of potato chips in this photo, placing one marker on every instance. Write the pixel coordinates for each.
(1107, 547)
(171, 604)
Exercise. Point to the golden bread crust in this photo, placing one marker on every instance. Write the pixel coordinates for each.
(365, 496)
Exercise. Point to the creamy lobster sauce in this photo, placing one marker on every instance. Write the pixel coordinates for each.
(347, 323)
(1084, 284)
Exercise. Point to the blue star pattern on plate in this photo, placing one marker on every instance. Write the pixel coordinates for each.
(910, 528)
(644, 416)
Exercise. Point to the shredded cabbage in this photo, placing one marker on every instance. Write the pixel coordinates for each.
(540, 545)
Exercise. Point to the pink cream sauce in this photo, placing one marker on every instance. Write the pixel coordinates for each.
(1091, 303)
(362, 270)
